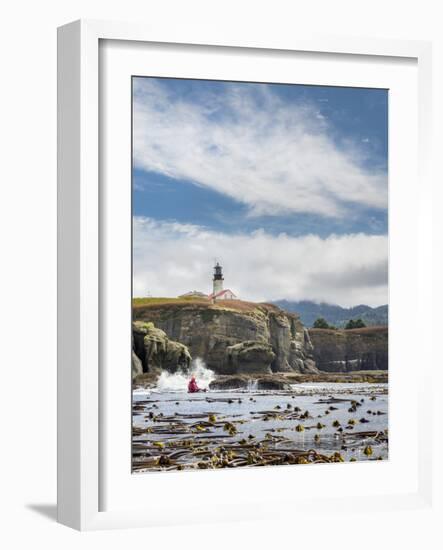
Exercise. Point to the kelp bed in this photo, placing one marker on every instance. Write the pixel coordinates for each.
(213, 439)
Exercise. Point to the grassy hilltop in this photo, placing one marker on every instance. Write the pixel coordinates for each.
(239, 306)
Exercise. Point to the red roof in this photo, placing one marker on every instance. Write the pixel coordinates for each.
(218, 294)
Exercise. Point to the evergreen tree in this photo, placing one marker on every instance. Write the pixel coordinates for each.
(357, 323)
(321, 323)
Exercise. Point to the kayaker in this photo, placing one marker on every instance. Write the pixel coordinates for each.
(192, 386)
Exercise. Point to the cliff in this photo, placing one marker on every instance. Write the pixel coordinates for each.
(232, 336)
(350, 350)
(153, 351)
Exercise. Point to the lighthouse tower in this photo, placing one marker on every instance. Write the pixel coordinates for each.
(217, 281)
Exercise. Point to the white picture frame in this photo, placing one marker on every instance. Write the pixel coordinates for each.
(82, 406)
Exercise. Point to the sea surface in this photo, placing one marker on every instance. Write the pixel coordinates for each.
(334, 417)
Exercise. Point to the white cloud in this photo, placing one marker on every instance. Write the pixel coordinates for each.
(172, 258)
(252, 146)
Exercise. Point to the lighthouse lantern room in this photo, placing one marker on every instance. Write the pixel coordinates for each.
(217, 281)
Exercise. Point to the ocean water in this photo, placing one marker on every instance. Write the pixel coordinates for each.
(252, 410)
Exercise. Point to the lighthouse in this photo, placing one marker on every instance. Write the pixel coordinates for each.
(217, 281)
(218, 293)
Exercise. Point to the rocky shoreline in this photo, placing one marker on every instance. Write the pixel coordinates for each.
(241, 339)
(231, 336)
(276, 382)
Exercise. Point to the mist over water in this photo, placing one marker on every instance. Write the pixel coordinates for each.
(178, 381)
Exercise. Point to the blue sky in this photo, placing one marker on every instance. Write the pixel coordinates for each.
(228, 161)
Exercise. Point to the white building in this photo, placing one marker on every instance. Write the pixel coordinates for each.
(223, 295)
(218, 292)
(194, 294)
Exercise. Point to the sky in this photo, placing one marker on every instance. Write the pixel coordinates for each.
(285, 185)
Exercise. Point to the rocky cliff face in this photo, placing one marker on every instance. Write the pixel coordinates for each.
(350, 350)
(155, 351)
(232, 337)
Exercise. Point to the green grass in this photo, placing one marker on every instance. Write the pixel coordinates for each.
(163, 300)
(205, 306)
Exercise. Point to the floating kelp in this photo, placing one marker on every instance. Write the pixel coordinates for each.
(243, 455)
(368, 450)
(187, 433)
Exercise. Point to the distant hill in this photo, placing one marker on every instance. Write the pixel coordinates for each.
(335, 315)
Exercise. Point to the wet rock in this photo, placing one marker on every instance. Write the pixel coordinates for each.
(156, 351)
(229, 383)
(137, 367)
(250, 357)
(272, 383)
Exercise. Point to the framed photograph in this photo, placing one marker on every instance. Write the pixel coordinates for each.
(240, 274)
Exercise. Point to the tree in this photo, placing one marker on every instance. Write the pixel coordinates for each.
(321, 323)
(354, 323)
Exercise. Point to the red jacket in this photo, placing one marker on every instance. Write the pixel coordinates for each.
(192, 386)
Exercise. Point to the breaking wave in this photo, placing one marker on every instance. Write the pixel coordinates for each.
(178, 381)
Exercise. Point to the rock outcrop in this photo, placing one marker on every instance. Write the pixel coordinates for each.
(350, 350)
(232, 382)
(272, 382)
(137, 367)
(249, 357)
(231, 336)
(156, 351)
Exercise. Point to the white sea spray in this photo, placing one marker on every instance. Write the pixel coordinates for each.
(178, 381)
